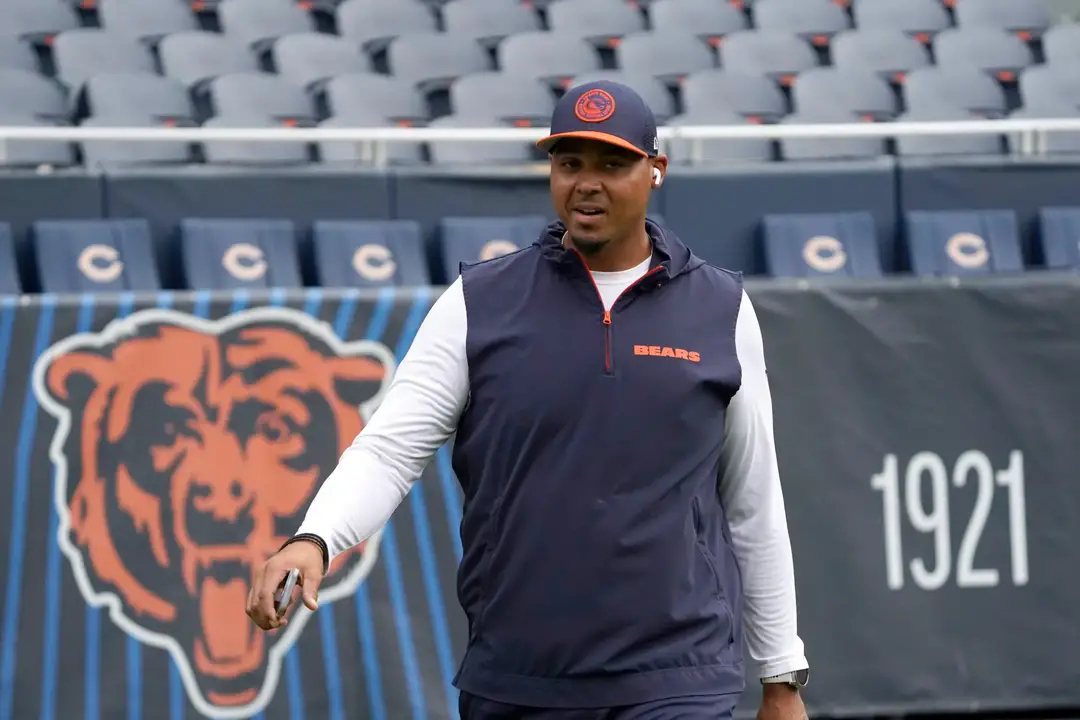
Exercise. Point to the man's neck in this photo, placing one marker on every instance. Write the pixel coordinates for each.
(617, 255)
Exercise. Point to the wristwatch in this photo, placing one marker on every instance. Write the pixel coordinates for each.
(797, 679)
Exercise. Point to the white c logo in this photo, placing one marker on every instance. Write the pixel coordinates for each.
(244, 261)
(495, 248)
(100, 263)
(374, 262)
(824, 253)
(967, 250)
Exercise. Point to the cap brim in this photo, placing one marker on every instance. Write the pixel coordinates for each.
(546, 144)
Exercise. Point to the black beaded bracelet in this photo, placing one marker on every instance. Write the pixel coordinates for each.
(312, 539)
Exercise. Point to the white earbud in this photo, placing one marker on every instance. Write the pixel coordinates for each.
(657, 177)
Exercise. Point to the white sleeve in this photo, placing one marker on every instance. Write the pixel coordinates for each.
(416, 417)
(754, 504)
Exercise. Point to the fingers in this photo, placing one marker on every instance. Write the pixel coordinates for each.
(310, 582)
(261, 599)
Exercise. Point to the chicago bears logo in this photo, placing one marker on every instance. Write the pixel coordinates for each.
(594, 106)
(186, 452)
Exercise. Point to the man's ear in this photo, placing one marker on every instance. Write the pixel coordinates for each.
(659, 170)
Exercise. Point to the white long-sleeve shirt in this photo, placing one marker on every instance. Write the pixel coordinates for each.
(420, 413)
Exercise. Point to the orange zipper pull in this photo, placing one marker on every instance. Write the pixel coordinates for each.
(607, 317)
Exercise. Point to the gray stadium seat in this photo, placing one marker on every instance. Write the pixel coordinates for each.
(197, 56)
(1059, 228)
(668, 55)
(921, 19)
(364, 94)
(1055, 142)
(81, 54)
(161, 99)
(146, 20)
(237, 254)
(549, 56)
(507, 98)
(31, 153)
(16, 54)
(942, 145)
(601, 22)
(815, 21)
(1026, 19)
(76, 256)
(1061, 46)
(778, 54)
(1049, 86)
(334, 152)
(863, 93)
(9, 275)
(259, 22)
(469, 239)
(709, 20)
(127, 152)
(963, 88)
(453, 152)
(374, 23)
(27, 92)
(818, 245)
(989, 49)
(239, 152)
(848, 148)
(651, 90)
(432, 61)
(886, 51)
(263, 94)
(369, 253)
(36, 21)
(488, 21)
(724, 151)
(311, 58)
(751, 96)
(949, 243)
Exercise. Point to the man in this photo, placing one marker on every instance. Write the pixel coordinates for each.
(614, 443)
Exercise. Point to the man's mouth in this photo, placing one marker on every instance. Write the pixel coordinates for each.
(587, 213)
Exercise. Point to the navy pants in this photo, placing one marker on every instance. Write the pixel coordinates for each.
(705, 707)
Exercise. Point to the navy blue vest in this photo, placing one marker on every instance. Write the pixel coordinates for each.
(597, 567)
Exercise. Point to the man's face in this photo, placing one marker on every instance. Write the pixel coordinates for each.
(600, 191)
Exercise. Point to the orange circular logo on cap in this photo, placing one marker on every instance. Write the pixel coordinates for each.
(595, 106)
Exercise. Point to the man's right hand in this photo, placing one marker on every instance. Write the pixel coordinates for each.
(303, 555)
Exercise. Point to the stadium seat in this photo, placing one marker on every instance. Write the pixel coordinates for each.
(369, 253)
(131, 94)
(1027, 20)
(81, 54)
(374, 23)
(239, 152)
(307, 59)
(16, 54)
(667, 55)
(962, 88)
(1050, 86)
(95, 255)
(1061, 46)
(432, 61)
(710, 21)
(886, 51)
(365, 94)
(472, 239)
(863, 93)
(452, 152)
(821, 245)
(346, 153)
(197, 56)
(32, 94)
(601, 22)
(815, 21)
(853, 148)
(963, 242)
(239, 254)
(652, 91)
(9, 274)
(258, 23)
(126, 152)
(683, 152)
(36, 21)
(942, 145)
(720, 92)
(988, 49)
(1059, 232)
(508, 98)
(32, 153)
(263, 94)
(778, 54)
(1056, 142)
(488, 21)
(548, 56)
(146, 20)
(922, 19)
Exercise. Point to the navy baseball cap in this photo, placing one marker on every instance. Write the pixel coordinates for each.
(605, 111)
